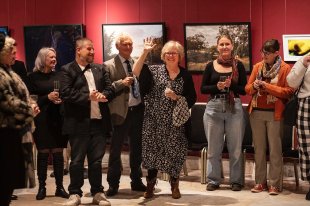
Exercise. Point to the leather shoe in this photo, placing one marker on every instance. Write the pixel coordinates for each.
(13, 197)
(61, 192)
(41, 193)
(112, 191)
(138, 186)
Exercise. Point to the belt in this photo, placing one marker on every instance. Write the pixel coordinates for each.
(222, 96)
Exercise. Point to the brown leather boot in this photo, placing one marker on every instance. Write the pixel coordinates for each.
(149, 193)
(175, 188)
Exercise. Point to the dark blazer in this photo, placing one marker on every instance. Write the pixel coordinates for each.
(75, 94)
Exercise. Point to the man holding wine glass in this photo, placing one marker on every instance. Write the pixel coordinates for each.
(269, 90)
(44, 83)
(127, 117)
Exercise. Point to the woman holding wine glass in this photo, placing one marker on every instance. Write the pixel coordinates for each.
(269, 90)
(224, 80)
(44, 82)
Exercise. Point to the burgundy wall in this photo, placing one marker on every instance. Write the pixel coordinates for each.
(269, 18)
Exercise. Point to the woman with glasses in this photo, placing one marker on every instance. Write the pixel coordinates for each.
(164, 144)
(224, 80)
(269, 90)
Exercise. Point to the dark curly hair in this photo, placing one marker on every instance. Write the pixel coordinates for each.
(2, 41)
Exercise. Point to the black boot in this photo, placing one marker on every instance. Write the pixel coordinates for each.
(58, 164)
(42, 172)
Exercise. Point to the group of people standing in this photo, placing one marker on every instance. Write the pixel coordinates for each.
(132, 99)
(271, 84)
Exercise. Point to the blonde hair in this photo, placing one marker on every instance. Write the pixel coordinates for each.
(8, 45)
(39, 63)
(172, 45)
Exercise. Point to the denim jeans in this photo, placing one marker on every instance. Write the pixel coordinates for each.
(220, 124)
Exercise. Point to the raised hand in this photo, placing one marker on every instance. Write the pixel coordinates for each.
(148, 44)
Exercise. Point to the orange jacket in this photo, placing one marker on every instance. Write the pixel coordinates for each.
(282, 91)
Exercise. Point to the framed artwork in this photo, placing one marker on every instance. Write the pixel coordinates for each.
(4, 30)
(201, 43)
(295, 46)
(138, 32)
(61, 37)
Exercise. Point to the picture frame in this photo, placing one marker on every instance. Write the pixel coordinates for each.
(295, 46)
(61, 37)
(201, 46)
(138, 32)
(5, 30)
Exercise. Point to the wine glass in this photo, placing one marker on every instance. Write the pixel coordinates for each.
(168, 87)
(260, 78)
(56, 86)
(223, 79)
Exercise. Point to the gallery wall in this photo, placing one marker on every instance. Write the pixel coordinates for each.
(269, 18)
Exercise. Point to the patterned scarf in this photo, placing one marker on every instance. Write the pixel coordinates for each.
(232, 62)
(270, 76)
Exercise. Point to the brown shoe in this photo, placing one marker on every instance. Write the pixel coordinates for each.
(274, 190)
(259, 188)
(149, 193)
(174, 182)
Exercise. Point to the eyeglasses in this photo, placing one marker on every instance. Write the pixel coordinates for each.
(171, 54)
(266, 53)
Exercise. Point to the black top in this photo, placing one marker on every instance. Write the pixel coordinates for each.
(211, 77)
(146, 83)
(49, 121)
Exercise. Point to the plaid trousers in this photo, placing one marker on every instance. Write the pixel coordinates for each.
(303, 131)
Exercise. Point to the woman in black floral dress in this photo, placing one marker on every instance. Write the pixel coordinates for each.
(164, 146)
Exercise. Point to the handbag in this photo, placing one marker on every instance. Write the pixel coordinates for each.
(291, 108)
(181, 112)
(290, 111)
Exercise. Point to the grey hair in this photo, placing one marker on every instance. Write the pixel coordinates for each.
(39, 63)
(121, 37)
(172, 45)
(8, 45)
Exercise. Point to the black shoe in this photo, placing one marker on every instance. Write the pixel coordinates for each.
(52, 174)
(308, 196)
(212, 187)
(236, 187)
(138, 186)
(13, 197)
(41, 193)
(112, 191)
(61, 192)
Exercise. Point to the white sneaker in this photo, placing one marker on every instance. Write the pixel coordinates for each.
(100, 199)
(74, 200)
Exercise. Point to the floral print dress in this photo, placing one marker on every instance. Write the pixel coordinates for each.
(164, 146)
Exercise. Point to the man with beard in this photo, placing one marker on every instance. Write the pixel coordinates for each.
(86, 90)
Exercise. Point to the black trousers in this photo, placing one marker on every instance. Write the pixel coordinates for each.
(91, 143)
(13, 164)
(132, 128)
